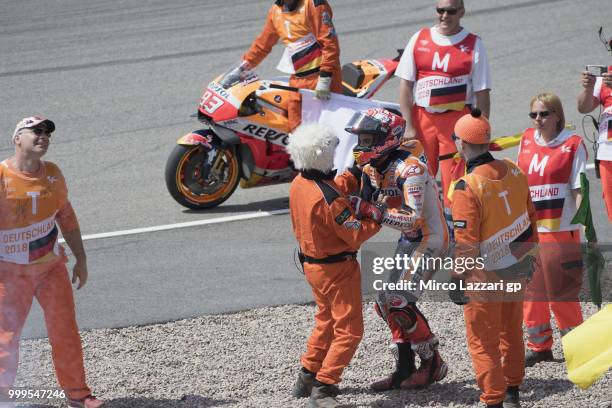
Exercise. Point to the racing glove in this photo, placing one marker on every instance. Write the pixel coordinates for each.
(457, 294)
(322, 91)
(364, 209)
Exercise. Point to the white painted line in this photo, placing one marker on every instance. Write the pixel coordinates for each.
(242, 217)
(590, 166)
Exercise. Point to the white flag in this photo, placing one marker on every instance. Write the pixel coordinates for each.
(336, 112)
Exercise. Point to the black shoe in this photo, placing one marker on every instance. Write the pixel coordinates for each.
(304, 383)
(323, 396)
(534, 357)
(512, 397)
(498, 405)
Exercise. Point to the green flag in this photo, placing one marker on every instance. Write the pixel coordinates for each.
(594, 260)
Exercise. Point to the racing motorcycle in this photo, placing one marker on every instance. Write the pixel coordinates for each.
(244, 133)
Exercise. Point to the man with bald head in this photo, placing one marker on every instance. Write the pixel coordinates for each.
(444, 72)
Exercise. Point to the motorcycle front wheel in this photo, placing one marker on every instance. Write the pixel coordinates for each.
(199, 178)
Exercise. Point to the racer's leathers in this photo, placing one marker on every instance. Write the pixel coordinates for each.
(402, 184)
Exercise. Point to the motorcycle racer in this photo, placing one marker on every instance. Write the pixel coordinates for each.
(312, 52)
(396, 178)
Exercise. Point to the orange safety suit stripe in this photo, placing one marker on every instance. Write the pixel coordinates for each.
(50, 284)
(556, 282)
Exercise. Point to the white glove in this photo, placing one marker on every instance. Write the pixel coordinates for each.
(322, 91)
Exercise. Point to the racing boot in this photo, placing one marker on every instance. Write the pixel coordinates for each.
(404, 368)
(432, 368)
(304, 382)
(323, 396)
(534, 357)
(512, 397)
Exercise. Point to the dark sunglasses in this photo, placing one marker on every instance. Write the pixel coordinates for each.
(450, 10)
(542, 114)
(39, 131)
(455, 137)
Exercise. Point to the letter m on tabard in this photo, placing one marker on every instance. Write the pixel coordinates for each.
(440, 64)
(538, 166)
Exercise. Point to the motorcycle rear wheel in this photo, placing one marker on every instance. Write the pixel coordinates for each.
(189, 182)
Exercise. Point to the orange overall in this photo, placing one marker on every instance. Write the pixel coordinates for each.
(492, 210)
(32, 265)
(312, 48)
(329, 235)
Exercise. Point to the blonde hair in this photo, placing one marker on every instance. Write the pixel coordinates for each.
(553, 103)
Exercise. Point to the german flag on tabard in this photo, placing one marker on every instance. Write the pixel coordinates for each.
(308, 59)
(549, 213)
(450, 97)
(522, 245)
(609, 129)
(43, 246)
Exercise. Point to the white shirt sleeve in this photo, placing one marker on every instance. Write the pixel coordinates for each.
(481, 72)
(597, 88)
(579, 166)
(406, 69)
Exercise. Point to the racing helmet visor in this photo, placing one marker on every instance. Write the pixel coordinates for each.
(363, 123)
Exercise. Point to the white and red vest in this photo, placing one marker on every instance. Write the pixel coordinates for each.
(548, 171)
(443, 79)
(605, 123)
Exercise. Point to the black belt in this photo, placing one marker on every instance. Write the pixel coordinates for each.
(447, 156)
(341, 257)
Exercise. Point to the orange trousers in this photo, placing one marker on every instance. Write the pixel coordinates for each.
(308, 82)
(435, 130)
(555, 285)
(495, 342)
(605, 168)
(50, 284)
(339, 320)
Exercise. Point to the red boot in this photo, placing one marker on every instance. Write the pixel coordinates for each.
(404, 368)
(432, 368)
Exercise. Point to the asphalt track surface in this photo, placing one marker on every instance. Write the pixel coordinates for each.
(120, 80)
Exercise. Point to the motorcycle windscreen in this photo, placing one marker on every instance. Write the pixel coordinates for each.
(235, 76)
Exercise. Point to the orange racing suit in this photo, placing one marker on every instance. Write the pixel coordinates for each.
(329, 235)
(311, 48)
(493, 217)
(32, 265)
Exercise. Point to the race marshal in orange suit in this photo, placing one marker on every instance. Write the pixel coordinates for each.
(312, 52)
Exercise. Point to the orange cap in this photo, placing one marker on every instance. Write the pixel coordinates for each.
(473, 128)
